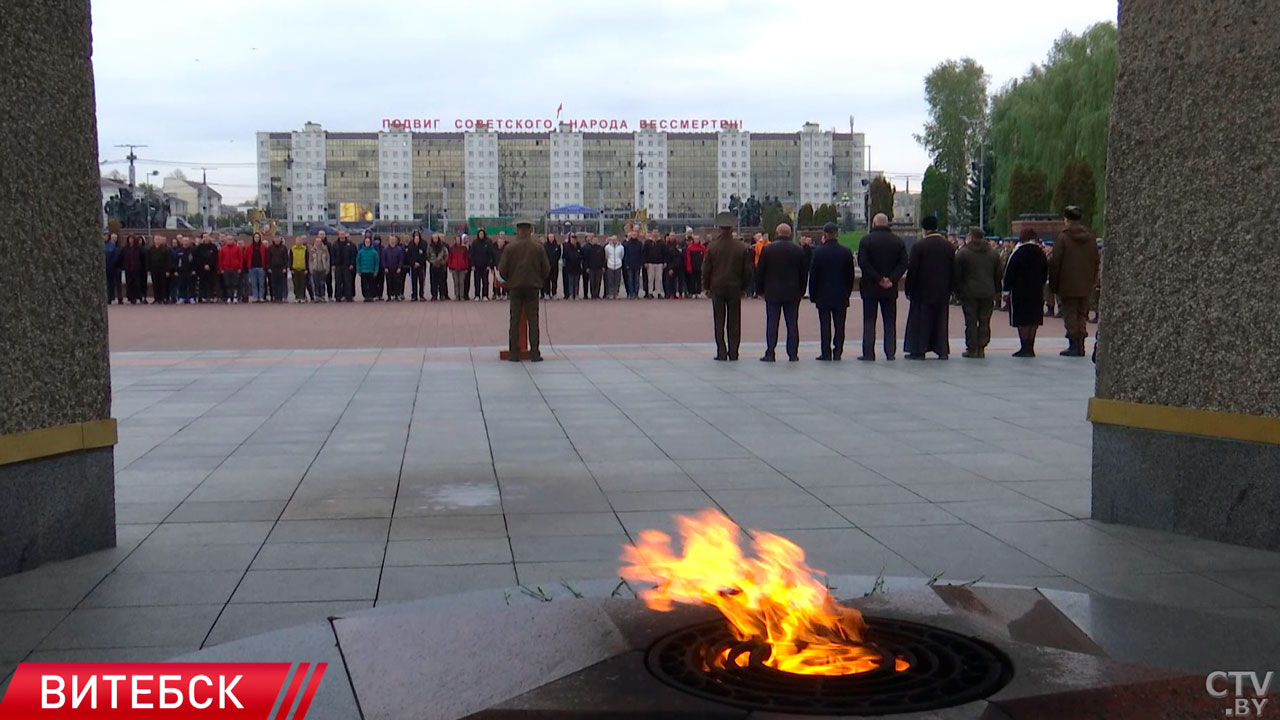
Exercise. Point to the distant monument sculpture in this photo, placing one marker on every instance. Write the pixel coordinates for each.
(143, 211)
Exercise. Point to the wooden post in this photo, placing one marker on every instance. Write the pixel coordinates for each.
(523, 341)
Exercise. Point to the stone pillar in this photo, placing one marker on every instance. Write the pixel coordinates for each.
(57, 490)
(1187, 413)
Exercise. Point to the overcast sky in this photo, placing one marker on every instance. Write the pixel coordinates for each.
(195, 80)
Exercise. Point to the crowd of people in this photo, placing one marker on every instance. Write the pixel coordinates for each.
(221, 268)
(938, 271)
(933, 274)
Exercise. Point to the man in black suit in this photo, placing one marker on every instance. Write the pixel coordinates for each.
(882, 257)
(929, 287)
(830, 284)
(783, 278)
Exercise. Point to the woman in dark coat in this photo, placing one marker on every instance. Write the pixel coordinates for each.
(1024, 279)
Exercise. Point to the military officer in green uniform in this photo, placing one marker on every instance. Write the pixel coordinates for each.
(524, 267)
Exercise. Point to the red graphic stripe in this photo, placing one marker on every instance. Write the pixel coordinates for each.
(294, 688)
(275, 709)
(127, 691)
(311, 691)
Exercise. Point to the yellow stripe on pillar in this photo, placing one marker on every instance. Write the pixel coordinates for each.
(47, 442)
(1186, 421)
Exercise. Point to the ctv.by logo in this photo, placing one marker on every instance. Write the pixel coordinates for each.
(1250, 696)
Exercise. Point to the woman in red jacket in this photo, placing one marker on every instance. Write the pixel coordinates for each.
(694, 253)
(459, 265)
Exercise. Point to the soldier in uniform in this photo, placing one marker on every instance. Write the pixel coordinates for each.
(524, 268)
(726, 275)
(1073, 273)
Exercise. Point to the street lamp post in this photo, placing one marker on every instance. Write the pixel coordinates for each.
(153, 173)
(980, 167)
(600, 200)
(288, 164)
(640, 166)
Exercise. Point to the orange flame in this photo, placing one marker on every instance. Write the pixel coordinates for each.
(772, 598)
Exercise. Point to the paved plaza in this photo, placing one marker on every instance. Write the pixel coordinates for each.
(466, 324)
(261, 489)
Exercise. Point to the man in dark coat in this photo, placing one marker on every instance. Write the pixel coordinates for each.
(783, 279)
(1073, 273)
(673, 267)
(552, 248)
(342, 261)
(207, 267)
(524, 268)
(882, 257)
(415, 256)
(830, 285)
(184, 270)
(928, 286)
(111, 256)
(160, 267)
(593, 257)
(632, 264)
(278, 261)
(572, 255)
(977, 282)
(726, 274)
(482, 258)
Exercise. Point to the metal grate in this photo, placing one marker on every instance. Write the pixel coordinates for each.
(946, 669)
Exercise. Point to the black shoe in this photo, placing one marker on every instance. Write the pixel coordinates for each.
(793, 358)
(944, 357)
(720, 358)
(513, 358)
(867, 358)
(536, 358)
(973, 354)
(914, 356)
(823, 358)
(768, 358)
(835, 358)
(1021, 353)
(733, 358)
(889, 358)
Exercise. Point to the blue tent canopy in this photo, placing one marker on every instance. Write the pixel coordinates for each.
(573, 210)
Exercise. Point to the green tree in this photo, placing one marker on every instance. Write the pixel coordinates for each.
(882, 192)
(933, 196)
(956, 91)
(771, 216)
(1076, 187)
(805, 216)
(1058, 112)
(825, 213)
(1028, 193)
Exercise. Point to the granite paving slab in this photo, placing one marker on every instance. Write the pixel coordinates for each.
(968, 472)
